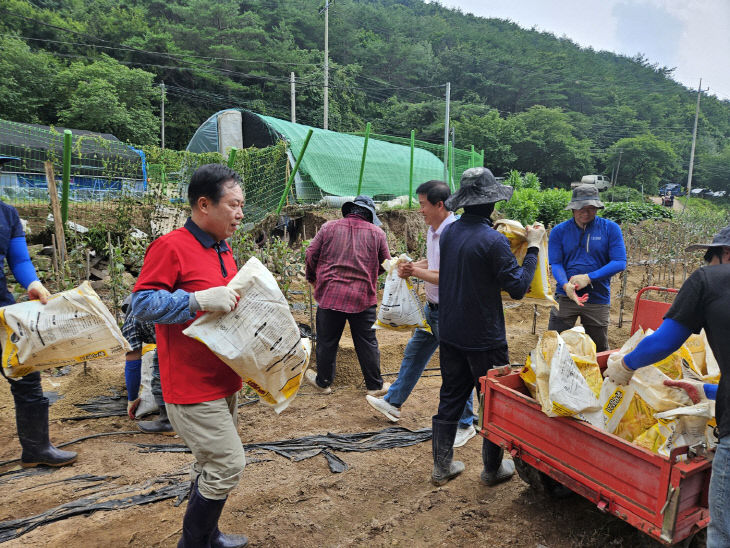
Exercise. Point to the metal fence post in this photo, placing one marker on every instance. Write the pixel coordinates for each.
(410, 178)
(66, 174)
(364, 153)
(232, 157)
(294, 172)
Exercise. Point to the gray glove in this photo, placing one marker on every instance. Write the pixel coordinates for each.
(617, 371)
(215, 299)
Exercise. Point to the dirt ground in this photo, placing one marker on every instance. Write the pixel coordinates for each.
(384, 498)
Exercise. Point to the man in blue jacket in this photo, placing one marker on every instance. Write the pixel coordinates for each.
(584, 252)
(476, 264)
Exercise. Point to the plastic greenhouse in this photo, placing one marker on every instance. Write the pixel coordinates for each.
(331, 163)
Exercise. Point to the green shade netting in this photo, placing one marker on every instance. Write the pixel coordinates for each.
(332, 161)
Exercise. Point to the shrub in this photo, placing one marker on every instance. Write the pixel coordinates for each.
(529, 205)
(633, 212)
(621, 194)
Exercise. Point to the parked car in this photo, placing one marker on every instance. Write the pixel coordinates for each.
(674, 189)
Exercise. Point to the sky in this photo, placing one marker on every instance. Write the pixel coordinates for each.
(692, 36)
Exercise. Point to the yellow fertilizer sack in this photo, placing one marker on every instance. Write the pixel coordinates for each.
(540, 291)
(583, 351)
(562, 390)
(75, 326)
(529, 378)
(259, 339)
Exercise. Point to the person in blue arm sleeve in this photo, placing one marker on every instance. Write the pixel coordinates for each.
(31, 406)
(703, 302)
(584, 252)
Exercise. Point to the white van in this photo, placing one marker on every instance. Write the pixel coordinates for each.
(601, 181)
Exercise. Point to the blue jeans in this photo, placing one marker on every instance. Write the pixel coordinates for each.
(718, 532)
(418, 352)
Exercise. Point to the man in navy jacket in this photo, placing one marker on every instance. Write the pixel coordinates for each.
(476, 264)
(584, 252)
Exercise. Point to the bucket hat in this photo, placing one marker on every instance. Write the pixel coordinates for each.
(478, 187)
(721, 239)
(585, 195)
(362, 201)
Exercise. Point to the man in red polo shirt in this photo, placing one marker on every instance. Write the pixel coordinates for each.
(184, 275)
(343, 263)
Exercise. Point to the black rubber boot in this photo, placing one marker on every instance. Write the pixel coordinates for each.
(160, 426)
(444, 468)
(200, 525)
(496, 469)
(32, 423)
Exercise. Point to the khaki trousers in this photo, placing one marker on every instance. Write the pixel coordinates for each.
(209, 430)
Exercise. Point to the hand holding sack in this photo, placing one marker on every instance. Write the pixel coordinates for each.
(520, 239)
(217, 299)
(259, 339)
(401, 308)
(74, 327)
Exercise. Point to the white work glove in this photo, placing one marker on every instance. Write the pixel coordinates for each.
(695, 389)
(580, 281)
(569, 289)
(217, 299)
(36, 290)
(617, 371)
(534, 235)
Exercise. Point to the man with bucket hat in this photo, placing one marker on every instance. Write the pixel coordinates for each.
(703, 302)
(343, 263)
(476, 265)
(584, 252)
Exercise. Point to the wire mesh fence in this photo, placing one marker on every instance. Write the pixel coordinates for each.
(113, 183)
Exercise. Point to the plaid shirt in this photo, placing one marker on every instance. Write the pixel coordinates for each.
(343, 262)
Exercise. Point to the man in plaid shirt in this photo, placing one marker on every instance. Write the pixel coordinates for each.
(343, 263)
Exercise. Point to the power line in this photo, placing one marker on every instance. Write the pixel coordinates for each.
(122, 47)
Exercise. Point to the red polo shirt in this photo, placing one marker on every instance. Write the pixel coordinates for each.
(189, 371)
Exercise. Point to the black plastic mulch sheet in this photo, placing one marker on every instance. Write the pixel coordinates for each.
(309, 446)
(171, 486)
(107, 499)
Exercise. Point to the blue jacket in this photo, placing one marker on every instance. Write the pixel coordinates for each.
(598, 250)
(14, 250)
(476, 265)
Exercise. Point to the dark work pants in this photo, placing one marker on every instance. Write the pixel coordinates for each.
(330, 324)
(593, 317)
(460, 373)
(26, 390)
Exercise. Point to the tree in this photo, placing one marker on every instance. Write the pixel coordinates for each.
(108, 97)
(543, 142)
(25, 95)
(645, 160)
(491, 133)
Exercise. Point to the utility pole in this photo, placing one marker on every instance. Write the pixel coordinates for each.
(162, 112)
(694, 141)
(326, 10)
(618, 165)
(446, 133)
(292, 79)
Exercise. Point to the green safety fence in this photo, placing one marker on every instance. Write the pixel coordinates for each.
(462, 159)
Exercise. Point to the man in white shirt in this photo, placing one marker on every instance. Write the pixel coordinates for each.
(422, 345)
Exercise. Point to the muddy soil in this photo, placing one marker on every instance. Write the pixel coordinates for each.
(384, 498)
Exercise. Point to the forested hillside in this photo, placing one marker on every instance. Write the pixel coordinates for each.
(532, 101)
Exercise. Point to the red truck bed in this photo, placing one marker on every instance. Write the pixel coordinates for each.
(663, 497)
